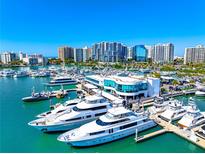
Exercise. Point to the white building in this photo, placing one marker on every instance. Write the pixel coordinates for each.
(87, 54)
(163, 53)
(22, 55)
(7, 57)
(127, 87)
(35, 59)
(149, 49)
(194, 54)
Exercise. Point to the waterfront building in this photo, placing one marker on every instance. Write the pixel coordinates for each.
(139, 53)
(129, 53)
(96, 80)
(35, 59)
(127, 87)
(194, 55)
(7, 57)
(78, 54)
(65, 53)
(87, 54)
(22, 55)
(163, 53)
(149, 50)
(109, 52)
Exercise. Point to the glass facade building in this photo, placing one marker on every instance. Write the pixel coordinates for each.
(139, 53)
(109, 52)
(125, 88)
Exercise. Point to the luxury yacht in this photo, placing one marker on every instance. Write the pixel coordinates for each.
(60, 108)
(174, 111)
(62, 80)
(88, 110)
(193, 117)
(159, 106)
(117, 123)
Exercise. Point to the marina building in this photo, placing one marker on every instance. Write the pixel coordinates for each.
(127, 87)
(109, 52)
(139, 53)
(163, 53)
(65, 53)
(194, 54)
(7, 57)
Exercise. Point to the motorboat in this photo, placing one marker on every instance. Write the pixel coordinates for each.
(201, 132)
(62, 80)
(36, 96)
(193, 117)
(200, 90)
(60, 108)
(8, 73)
(20, 74)
(88, 110)
(174, 111)
(116, 124)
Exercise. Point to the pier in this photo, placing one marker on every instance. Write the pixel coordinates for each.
(169, 127)
(151, 135)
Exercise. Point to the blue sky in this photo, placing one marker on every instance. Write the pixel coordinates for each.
(42, 26)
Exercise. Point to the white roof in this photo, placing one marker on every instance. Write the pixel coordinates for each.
(93, 97)
(96, 77)
(90, 86)
(118, 110)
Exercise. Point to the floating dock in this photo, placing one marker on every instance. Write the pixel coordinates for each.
(169, 127)
(151, 135)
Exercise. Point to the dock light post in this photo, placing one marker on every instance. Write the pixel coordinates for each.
(136, 134)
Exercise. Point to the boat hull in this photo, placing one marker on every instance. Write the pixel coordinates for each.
(60, 127)
(112, 137)
(32, 99)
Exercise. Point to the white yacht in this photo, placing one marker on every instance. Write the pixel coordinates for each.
(174, 111)
(20, 74)
(62, 80)
(88, 110)
(159, 106)
(117, 123)
(60, 108)
(192, 118)
(200, 90)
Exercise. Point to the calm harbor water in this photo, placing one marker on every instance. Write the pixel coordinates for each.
(17, 136)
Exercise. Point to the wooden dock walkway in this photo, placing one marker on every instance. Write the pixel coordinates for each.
(153, 134)
(169, 127)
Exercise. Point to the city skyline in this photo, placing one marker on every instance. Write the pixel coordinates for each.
(82, 23)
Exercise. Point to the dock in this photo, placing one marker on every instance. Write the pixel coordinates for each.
(151, 135)
(169, 127)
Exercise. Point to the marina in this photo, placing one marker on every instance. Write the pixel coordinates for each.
(74, 96)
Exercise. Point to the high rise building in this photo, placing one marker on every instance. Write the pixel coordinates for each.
(65, 53)
(87, 54)
(194, 55)
(109, 52)
(163, 53)
(22, 55)
(149, 49)
(7, 57)
(78, 54)
(139, 53)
